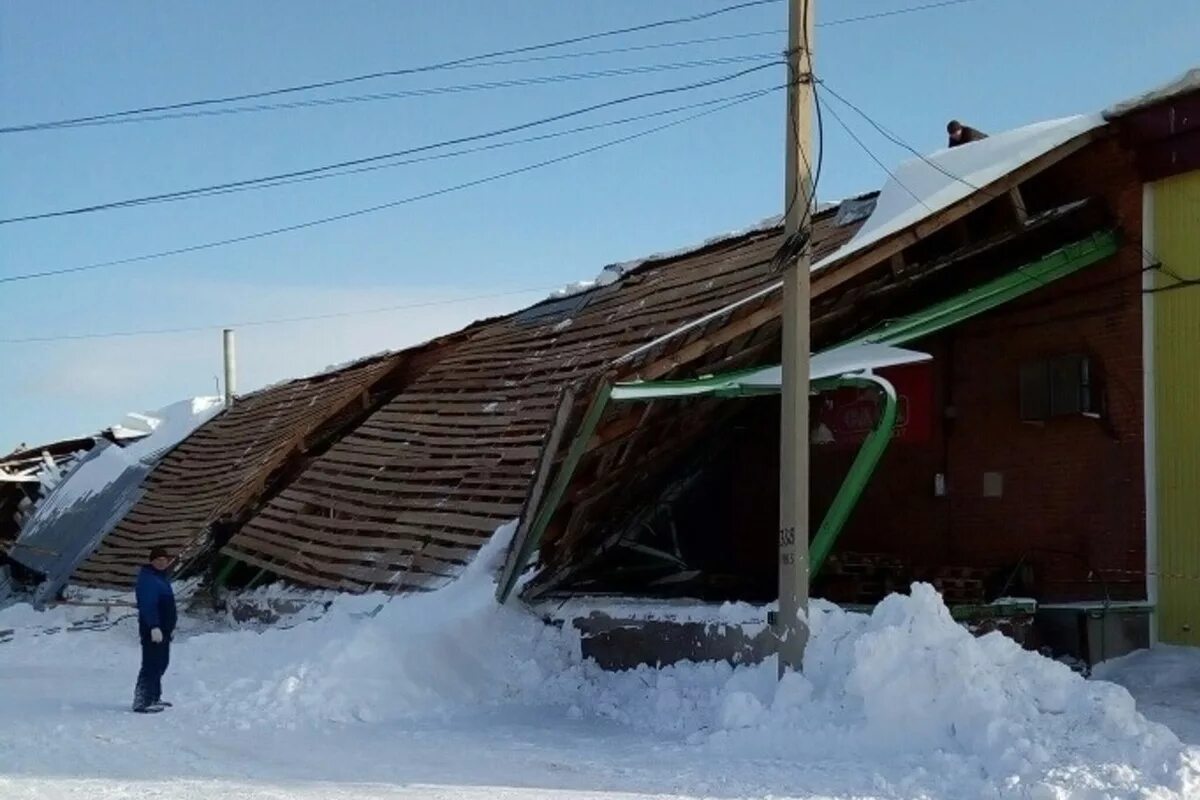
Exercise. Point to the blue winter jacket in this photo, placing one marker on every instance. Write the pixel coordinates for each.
(155, 600)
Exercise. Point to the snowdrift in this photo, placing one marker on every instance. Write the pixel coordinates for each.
(904, 688)
(905, 682)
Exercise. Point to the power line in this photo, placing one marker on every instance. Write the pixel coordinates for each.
(432, 91)
(272, 321)
(397, 72)
(895, 139)
(386, 156)
(380, 207)
(477, 61)
(471, 150)
(875, 158)
(893, 13)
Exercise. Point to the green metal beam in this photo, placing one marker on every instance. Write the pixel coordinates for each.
(562, 480)
(996, 292)
(861, 470)
(225, 572)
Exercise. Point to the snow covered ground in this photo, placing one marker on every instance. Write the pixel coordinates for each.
(446, 695)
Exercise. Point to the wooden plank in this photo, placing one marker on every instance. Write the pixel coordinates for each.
(384, 505)
(395, 575)
(409, 524)
(1017, 201)
(698, 348)
(299, 576)
(339, 547)
(533, 499)
(353, 487)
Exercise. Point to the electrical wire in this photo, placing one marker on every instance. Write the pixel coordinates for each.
(482, 60)
(895, 139)
(432, 91)
(272, 321)
(375, 208)
(793, 245)
(397, 72)
(478, 148)
(875, 158)
(96, 207)
(893, 13)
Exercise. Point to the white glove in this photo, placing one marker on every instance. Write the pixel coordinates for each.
(156, 635)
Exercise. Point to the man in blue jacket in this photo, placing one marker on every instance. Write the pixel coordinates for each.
(156, 623)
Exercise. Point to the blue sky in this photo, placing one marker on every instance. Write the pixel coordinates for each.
(993, 63)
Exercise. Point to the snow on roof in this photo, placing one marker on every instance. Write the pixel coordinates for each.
(69, 522)
(613, 272)
(849, 210)
(326, 371)
(1186, 83)
(167, 427)
(922, 187)
(848, 359)
(78, 512)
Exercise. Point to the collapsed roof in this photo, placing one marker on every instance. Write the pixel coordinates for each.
(229, 463)
(392, 473)
(407, 497)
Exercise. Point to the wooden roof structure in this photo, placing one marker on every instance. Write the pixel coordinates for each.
(19, 485)
(234, 460)
(391, 474)
(1029, 212)
(404, 500)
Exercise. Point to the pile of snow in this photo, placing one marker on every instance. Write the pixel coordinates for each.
(1165, 681)
(904, 691)
(905, 683)
(135, 426)
(375, 658)
(612, 273)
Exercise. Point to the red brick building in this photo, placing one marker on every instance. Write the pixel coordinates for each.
(1062, 498)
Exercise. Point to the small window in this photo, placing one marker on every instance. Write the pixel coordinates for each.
(1057, 387)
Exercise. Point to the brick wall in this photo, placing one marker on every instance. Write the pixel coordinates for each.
(1072, 507)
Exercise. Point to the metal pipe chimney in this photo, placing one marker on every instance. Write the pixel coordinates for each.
(230, 368)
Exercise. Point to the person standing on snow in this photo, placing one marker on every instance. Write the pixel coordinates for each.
(156, 623)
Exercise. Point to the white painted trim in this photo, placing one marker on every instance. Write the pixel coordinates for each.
(1149, 412)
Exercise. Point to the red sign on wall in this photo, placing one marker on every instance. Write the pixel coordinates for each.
(846, 416)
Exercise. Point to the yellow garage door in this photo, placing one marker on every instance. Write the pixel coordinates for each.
(1176, 327)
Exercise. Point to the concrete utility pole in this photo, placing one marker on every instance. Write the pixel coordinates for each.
(230, 367)
(792, 622)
